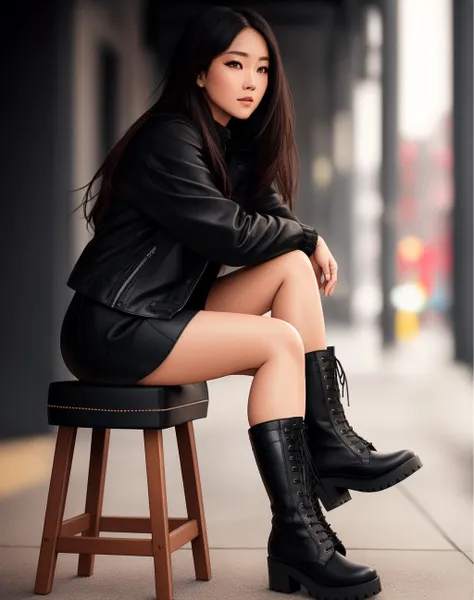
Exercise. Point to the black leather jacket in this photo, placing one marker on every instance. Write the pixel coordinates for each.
(167, 221)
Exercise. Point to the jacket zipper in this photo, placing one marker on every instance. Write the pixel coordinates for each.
(132, 275)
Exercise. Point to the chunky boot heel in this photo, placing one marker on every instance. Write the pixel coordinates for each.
(332, 496)
(279, 578)
(287, 579)
(303, 550)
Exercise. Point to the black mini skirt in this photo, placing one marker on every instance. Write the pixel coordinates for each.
(104, 345)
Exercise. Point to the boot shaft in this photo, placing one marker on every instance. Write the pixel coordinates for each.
(272, 449)
(321, 385)
(329, 432)
(299, 528)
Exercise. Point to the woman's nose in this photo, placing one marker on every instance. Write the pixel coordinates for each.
(249, 84)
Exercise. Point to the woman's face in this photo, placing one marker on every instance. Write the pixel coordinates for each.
(241, 71)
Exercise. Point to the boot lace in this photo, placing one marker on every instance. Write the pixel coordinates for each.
(308, 479)
(336, 376)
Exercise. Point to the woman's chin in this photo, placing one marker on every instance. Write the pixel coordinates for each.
(241, 114)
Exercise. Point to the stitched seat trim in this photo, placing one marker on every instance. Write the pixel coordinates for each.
(127, 410)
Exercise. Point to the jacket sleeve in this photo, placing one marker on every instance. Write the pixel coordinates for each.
(271, 204)
(173, 185)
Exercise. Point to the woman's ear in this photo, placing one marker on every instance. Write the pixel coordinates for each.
(200, 80)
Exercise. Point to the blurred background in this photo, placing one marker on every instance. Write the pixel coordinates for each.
(383, 91)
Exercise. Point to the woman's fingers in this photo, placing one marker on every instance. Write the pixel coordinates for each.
(331, 282)
(325, 269)
(326, 276)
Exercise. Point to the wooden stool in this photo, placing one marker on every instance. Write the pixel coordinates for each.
(73, 404)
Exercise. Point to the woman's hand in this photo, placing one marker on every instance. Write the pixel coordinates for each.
(324, 265)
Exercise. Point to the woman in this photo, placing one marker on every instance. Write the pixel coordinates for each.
(192, 187)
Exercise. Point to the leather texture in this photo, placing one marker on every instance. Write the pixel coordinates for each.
(300, 535)
(102, 345)
(167, 220)
(79, 404)
(337, 450)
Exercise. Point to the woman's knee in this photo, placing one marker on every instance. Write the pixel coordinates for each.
(285, 337)
(296, 264)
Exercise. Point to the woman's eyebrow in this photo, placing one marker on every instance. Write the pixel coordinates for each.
(245, 54)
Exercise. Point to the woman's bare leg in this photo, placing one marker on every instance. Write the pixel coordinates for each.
(285, 285)
(216, 344)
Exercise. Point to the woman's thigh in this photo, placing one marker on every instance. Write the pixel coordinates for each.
(252, 290)
(216, 344)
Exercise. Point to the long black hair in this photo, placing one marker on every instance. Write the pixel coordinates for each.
(271, 126)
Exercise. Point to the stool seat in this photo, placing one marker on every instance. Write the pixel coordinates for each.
(82, 404)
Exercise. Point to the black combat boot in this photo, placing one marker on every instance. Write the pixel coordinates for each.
(302, 548)
(343, 459)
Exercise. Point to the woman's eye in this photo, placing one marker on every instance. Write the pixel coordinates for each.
(236, 62)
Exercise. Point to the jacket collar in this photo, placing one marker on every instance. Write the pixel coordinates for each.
(223, 132)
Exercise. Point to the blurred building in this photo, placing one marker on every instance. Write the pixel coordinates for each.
(393, 202)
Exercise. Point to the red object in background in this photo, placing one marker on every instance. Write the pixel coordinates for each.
(427, 268)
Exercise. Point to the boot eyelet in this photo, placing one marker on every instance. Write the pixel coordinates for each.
(295, 480)
(291, 447)
(325, 376)
(298, 493)
(360, 451)
(336, 422)
(286, 430)
(301, 505)
(292, 458)
(327, 387)
(327, 550)
(293, 469)
(351, 443)
(343, 431)
(332, 411)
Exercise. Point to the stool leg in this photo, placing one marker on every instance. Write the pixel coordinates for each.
(95, 494)
(65, 442)
(194, 501)
(155, 470)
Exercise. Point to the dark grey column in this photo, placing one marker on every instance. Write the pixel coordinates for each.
(340, 78)
(389, 169)
(34, 229)
(462, 316)
(320, 63)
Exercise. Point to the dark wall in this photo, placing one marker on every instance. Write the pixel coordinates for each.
(463, 184)
(36, 50)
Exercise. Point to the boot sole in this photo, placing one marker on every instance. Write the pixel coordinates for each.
(286, 579)
(379, 483)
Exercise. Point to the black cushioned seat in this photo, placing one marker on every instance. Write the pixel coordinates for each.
(81, 404)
